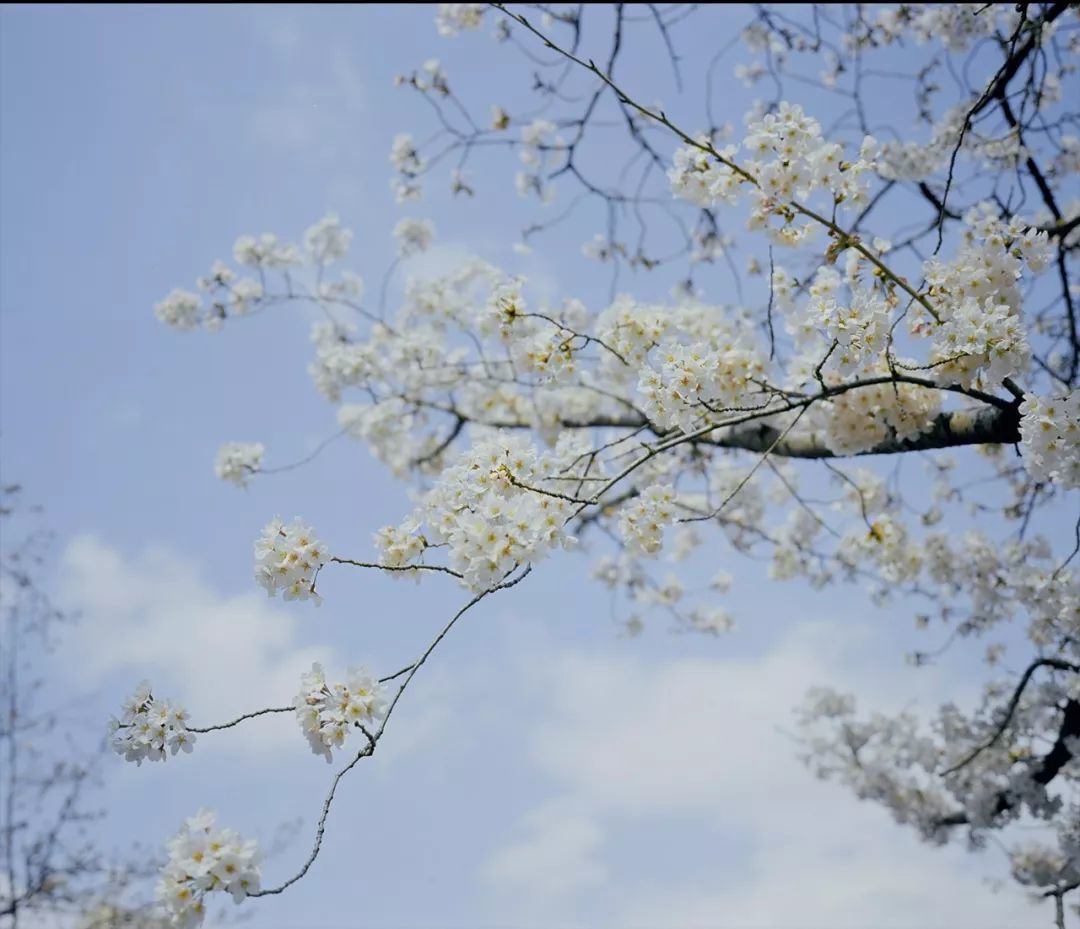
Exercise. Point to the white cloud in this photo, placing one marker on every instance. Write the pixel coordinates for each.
(638, 748)
(155, 616)
(558, 858)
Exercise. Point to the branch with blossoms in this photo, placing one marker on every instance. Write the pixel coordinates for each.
(524, 425)
(203, 859)
(1024, 43)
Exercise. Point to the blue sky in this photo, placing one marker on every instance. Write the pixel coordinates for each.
(544, 771)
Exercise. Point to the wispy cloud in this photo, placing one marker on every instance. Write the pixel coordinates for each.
(154, 615)
(696, 748)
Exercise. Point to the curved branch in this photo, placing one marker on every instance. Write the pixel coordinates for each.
(1057, 663)
(373, 738)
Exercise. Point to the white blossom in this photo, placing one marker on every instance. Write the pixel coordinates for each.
(180, 310)
(204, 859)
(148, 727)
(238, 461)
(452, 18)
(413, 236)
(1050, 438)
(287, 558)
(643, 522)
(327, 240)
(327, 711)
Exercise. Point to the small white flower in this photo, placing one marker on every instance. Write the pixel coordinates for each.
(238, 461)
(146, 726)
(287, 558)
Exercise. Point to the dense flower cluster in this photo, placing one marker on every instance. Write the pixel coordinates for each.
(1040, 865)
(180, 310)
(860, 331)
(789, 160)
(884, 542)
(326, 712)
(644, 520)
(857, 420)
(237, 461)
(689, 382)
(980, 343)
(539, 147)
(408, 164)
(265, 252)
(452, 18)
(147, 727)
(413, 236)
(954, 25)
(978, 301)
(632, 329)
(484, 511)
(327, 240)
(1050, 438)
(204, 859)
(287, 559)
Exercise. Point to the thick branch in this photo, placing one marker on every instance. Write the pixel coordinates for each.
(984, 426)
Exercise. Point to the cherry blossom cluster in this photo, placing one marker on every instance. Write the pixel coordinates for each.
(858, 420)
(549, 354)
(954, 25)
(453, 18)
(147, 727)
(860, 331)
(409, 165)
(229, 295)
(884, 542)
(1042, 865)
(265, 251)
(789, 160)
(909, 160)
(287, 559)
(980, 343)
(978, 302)
(651, 522)
(914, 768)
(926, 771)
(327, 711)
(341, 361)
(413, 236)
(540, 145)
(632, 328)
(882, 759)
(226, 294)
(238, 461)
(689, 382)
(492, 509)
(181, 309)
(643, 521)
(1050, 438)
(204, 859)
(327, 241)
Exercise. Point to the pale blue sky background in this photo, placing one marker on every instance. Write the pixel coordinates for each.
(544, 771)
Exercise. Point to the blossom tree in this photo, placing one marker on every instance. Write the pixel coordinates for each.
(888, 297)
